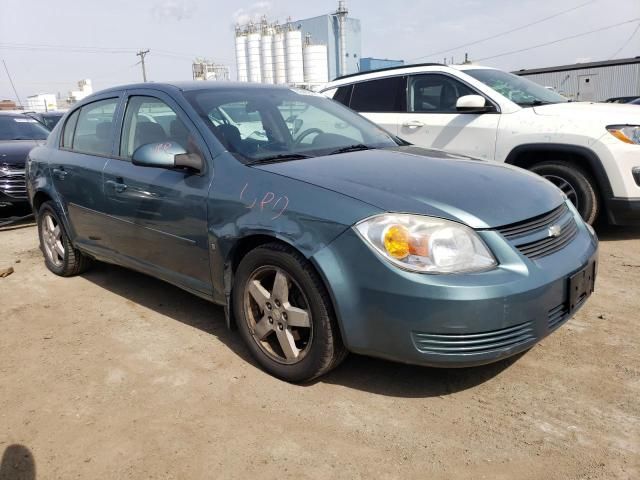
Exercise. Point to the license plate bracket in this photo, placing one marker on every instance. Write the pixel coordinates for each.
(581, 286)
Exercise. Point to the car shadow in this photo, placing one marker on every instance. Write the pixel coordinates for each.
(616, 233)
(17, 463)
(357, 371)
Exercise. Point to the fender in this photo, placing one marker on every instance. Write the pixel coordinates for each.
(589, 155)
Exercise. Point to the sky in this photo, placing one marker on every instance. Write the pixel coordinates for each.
(48, 48)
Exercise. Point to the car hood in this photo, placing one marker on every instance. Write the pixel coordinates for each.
(14, 152)
(607, 113)
(414, 180)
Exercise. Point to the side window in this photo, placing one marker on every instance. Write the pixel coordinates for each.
(150, 120)
(69, 127)
(94, 127)
(343, 94)
(383, 95)
(433, 93)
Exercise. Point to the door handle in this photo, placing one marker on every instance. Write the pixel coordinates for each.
(118, 186)
(413, 124)
(60, 173)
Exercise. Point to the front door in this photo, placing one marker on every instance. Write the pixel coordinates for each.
(432, 120)
(86, 144)
(161, 214)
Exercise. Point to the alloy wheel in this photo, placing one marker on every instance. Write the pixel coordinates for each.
(565, 186)
(52, 240)
(278, 315)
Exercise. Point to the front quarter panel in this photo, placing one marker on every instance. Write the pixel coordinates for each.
(247, 201)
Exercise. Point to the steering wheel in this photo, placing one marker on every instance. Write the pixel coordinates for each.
(305, 134)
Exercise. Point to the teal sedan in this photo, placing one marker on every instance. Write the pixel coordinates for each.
(319, 232)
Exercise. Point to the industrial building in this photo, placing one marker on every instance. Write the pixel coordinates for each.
(368, 64)
(306, 52)
(594, 81)
(204, 69)
(84, 90)
(42, 102)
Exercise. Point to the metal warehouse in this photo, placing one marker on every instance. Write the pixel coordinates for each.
(594, 81)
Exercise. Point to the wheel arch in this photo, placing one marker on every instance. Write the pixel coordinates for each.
(250, 242)
(525, 156)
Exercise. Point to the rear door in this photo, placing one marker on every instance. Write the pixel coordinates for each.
(160, 214)
(382, 100)
(86, 144)
(432, 120)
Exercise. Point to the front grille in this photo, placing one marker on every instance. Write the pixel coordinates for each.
(526, 227)
(474, 343)
(12, 182)
(557, 316)
(532, 237)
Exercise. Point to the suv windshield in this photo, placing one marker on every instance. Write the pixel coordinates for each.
(517, 89)
(21, 127)
(278, 124)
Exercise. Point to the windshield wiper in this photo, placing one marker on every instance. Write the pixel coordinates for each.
(281, 157)
(535, 103)
(351, 148)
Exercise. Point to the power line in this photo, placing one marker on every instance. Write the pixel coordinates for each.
(633, 34)
(608, 27)
(475, 42)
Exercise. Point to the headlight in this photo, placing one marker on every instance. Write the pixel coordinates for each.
(426, 244)
(626, 133)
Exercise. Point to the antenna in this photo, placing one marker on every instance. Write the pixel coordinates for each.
(11, 81)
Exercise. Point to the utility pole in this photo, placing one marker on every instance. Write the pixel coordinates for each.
(142, 54)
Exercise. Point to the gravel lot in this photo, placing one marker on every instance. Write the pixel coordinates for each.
(117, 375)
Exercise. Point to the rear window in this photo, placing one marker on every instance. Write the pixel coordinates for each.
(382, 95)
(343, 95)
(94, 129)
(21, 127)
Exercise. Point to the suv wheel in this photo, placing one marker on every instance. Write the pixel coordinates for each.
(284, 314)
(59, 254)
(576, 184)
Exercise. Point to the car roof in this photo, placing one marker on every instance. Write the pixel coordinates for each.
(193, 85)
(13, 113)
(400, 70)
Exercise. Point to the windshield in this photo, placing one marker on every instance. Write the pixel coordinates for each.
(279, 123)
(517, 89)
(21, 128)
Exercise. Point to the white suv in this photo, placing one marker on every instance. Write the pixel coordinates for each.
(590, 150)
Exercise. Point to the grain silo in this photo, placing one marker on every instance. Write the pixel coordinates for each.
(266, 52)
(293, 51)
(253, 54)
(315, 61)
(241, 55)
(279, 56)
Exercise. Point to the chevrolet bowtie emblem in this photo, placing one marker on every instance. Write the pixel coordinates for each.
(555, 230)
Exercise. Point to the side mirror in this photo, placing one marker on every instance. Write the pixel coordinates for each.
(473, 104)
(166, 155)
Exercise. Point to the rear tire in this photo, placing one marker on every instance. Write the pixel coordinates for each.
(285, 315)
(59, 254)
(576, 183)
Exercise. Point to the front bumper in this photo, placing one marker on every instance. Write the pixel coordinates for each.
(624, 211)
(433, 320)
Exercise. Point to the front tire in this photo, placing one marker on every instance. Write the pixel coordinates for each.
(577, 185)
(284, 314)
(59, 254)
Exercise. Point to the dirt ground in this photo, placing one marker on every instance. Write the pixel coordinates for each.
(113, 374)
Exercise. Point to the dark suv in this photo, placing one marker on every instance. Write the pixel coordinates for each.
(18, 135)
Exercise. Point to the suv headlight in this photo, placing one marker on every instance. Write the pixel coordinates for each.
(626, 133)
(426, 244)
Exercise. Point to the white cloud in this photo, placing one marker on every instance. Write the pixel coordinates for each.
(252, 13)
(174, 9)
